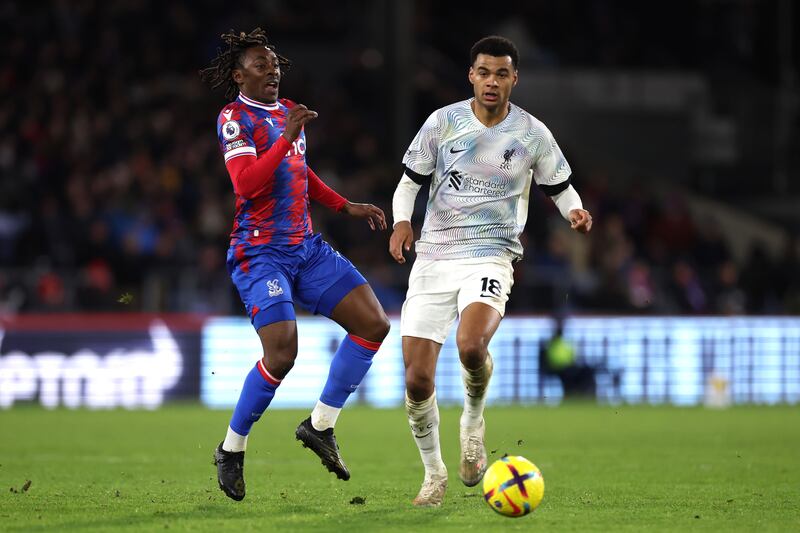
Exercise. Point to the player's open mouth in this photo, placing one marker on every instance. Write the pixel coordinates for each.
(490, 97)
(272, 84)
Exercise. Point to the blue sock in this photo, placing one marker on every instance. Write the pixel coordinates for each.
(258, 390)
(348, 368)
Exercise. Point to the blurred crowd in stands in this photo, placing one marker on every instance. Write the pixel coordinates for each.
(114, 197)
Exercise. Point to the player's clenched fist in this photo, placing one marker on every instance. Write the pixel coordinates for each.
(401, 240)
(580, 220)
(296, 119)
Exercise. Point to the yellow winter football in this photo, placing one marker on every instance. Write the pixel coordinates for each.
(513, 486)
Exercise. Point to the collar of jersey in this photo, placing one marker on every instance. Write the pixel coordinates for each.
(251, 102)
(477, 121)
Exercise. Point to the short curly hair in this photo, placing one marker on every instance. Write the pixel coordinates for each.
(495, 46)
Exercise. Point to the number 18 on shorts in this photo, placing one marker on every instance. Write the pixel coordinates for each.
(439, 290)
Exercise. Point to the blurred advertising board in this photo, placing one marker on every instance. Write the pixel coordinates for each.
(655, 360)
(141, 361)
(99, 361)
(231, 348)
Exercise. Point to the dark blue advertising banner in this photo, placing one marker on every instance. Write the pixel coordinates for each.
(99, 361)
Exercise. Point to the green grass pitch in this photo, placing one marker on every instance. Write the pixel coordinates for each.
(605, 468)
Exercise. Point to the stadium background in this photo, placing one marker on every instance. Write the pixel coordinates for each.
(682, 127)
(119, 327)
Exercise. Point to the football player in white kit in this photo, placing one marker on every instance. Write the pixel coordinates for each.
(478, 157)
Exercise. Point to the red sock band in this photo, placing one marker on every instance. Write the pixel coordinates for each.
(364, 343)
(269, 378)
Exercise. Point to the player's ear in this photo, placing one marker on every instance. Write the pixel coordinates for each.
(237, 75)
(471, 75)
(516, 78)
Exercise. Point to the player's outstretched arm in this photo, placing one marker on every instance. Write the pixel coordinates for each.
(401, 240)
(571, 208)
(320, 192)
(402, 208)
(374, 215)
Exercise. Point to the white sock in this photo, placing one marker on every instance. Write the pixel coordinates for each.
(476, 383)
(423, 417)
(234, 442)
(324, 416)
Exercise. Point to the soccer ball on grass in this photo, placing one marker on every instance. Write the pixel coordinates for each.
(513, 486)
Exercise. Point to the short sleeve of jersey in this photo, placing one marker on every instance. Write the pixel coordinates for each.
(235, 133)
(550, 167)
(420, 157)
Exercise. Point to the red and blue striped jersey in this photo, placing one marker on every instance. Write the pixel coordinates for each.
(277, 212)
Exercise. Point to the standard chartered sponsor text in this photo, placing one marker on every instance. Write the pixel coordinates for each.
(485, 187)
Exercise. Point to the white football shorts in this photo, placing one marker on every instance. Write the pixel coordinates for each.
(439, 290)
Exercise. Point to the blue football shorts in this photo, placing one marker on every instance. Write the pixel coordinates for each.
(271, 278)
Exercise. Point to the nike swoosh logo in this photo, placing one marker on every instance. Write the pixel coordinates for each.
(423, 436)
(457, 151)
(488, 296)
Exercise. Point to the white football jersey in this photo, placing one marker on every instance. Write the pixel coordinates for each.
(480, 180)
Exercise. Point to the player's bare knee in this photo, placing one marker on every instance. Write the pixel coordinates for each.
(419, 384)
(281, 368)
(375, 330)
(279, 363)
(382, 327)
(472, 351)
(419, 393)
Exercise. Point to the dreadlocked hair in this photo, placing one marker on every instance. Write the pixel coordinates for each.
(219, 73)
